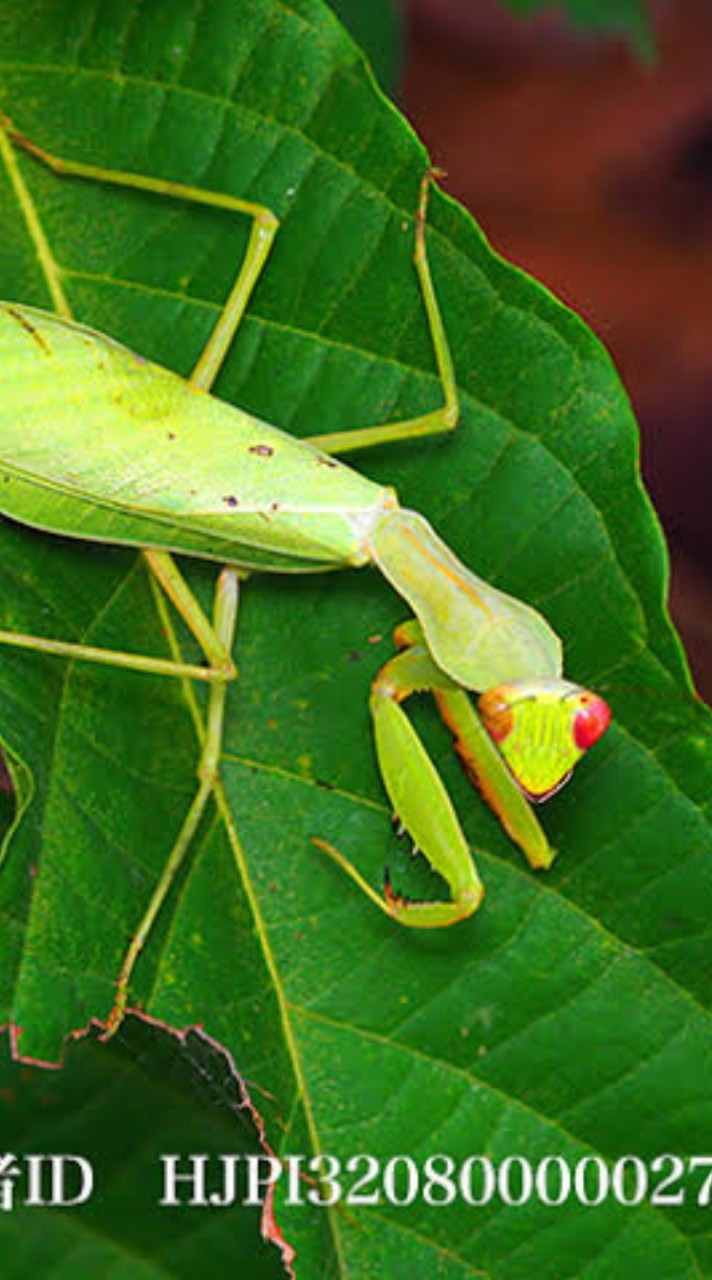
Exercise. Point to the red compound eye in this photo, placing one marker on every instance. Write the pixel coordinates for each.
(591, 721)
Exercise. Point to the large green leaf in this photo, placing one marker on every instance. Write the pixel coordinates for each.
(571, 1014)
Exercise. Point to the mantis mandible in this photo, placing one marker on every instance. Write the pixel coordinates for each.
(97, 443)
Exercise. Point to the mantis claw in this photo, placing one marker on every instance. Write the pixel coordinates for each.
(395, 900)
(405, 910)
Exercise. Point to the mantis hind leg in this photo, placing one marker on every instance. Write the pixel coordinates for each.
(443, 419)
(226, 601)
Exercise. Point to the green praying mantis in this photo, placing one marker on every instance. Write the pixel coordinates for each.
(97, 443)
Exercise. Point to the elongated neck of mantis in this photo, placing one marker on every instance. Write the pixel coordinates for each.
(478, 635)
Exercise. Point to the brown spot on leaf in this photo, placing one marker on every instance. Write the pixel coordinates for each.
(326, 462)
(262, 450)
(230, 500)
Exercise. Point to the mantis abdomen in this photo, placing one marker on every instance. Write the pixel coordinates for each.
(98, 443)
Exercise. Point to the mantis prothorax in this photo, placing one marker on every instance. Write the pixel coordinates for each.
(118, 450)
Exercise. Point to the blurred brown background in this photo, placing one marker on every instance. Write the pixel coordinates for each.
(593, 171)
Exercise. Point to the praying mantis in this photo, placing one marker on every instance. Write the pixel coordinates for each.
(99, 444)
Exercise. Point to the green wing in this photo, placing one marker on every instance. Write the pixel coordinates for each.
(98, 443)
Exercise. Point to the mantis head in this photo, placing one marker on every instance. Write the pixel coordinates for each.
(542, 729)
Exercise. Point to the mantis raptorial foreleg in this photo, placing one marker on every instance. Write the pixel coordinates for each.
(478, 753)
(418, 796)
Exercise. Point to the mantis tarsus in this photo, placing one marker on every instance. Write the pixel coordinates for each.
(118, 450)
